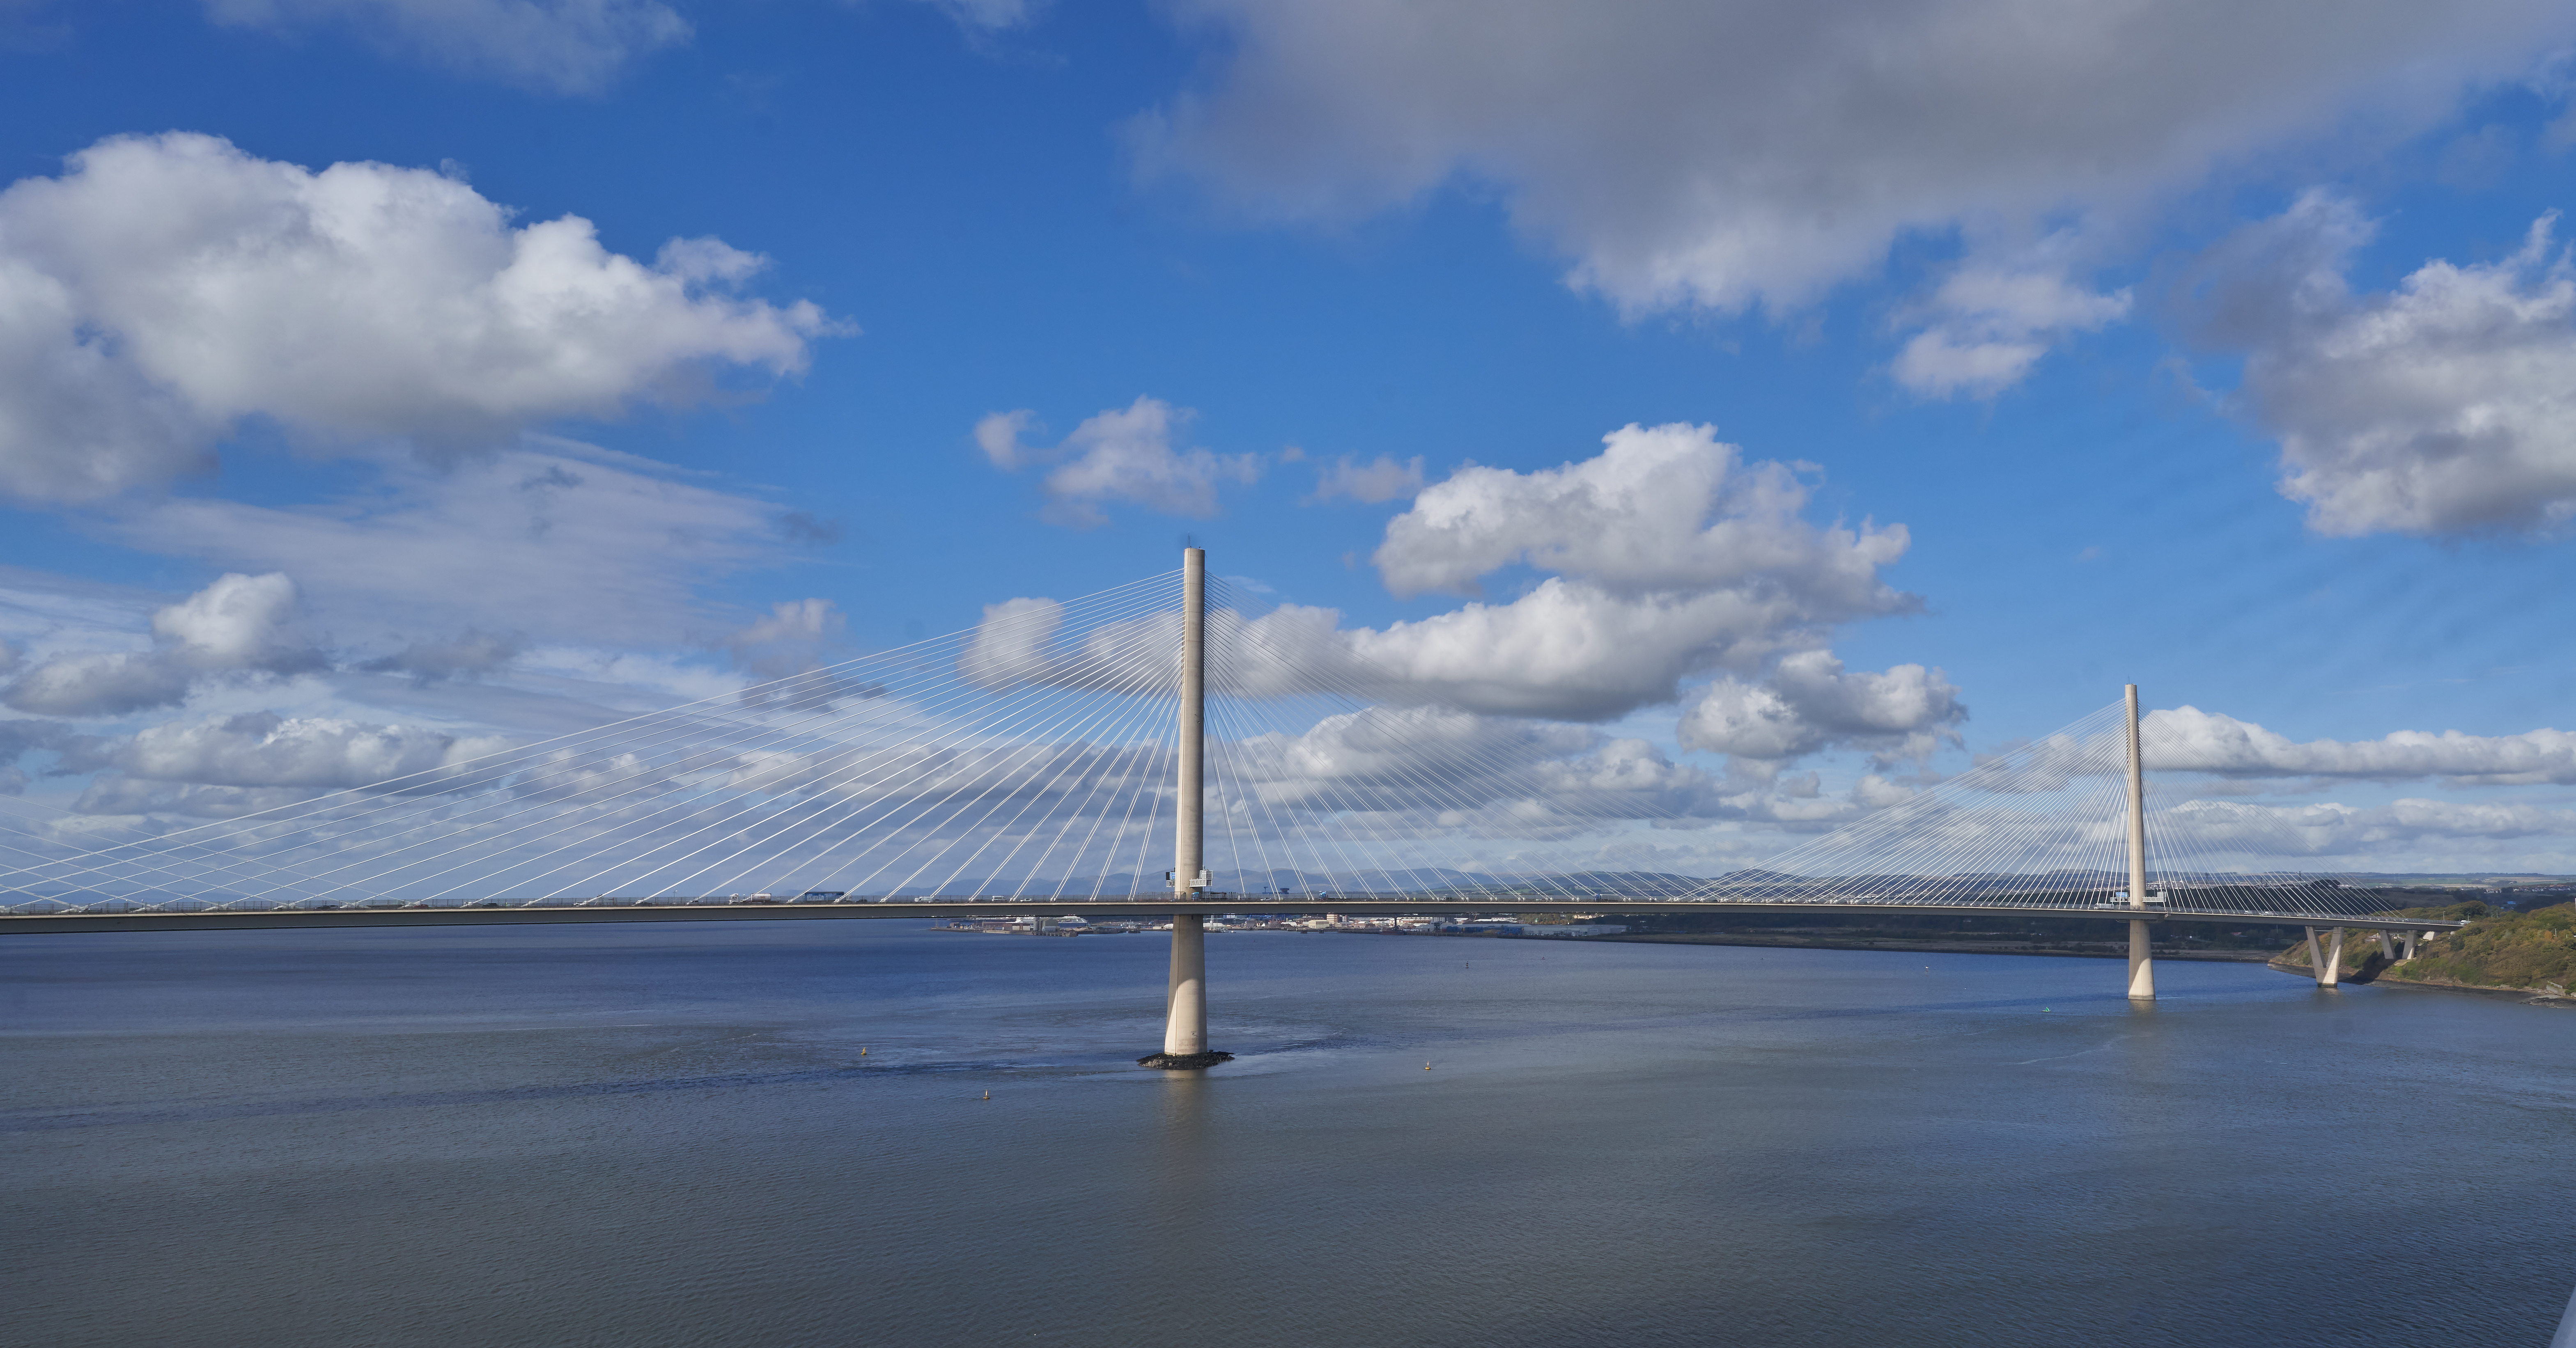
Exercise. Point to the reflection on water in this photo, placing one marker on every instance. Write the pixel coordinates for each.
(657, 1136)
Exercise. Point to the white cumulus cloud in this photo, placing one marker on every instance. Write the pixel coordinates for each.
(2240, 828)
(1121, 454)
(263, 749)
(2444, 406)
(1724, 153)
(240, 622)
(166, 287)
(110, 683)
(2187, 739)
(1991, 325)
(240, 625)
(1661, 510)
(1672, 558)
(1809, 704)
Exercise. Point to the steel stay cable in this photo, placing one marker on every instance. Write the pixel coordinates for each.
(934, 712)
(1232, 751)
(1103, 762)
(1216, 783)
(1859, 847)
(1113, 766)
(1317, 824)
(927, 804)
(2292, 889)
(1142, 792)
(1330, 791)
(1222, 709)
(1117, 728)
(1109, 704)
(1934, 865)
(1348, 796)
(1442, 795)
(646, 779)
(2290, 892)
(1349, 802)
(1341, 805)
(316, 804)
(1832, 855)
(921, 867)
(993, 881)
(1114, 770)
(1104, 703)
(147, 866)
(1001, 711)
(1154, 809)
(1922, 855)
(2014, 842)
(1227, 773)
(1489, 759)
(354, 823)
(1495, 767)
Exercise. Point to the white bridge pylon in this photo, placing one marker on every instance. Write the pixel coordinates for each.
(1046, 759)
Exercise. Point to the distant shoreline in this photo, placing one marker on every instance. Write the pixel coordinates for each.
(2530, 995)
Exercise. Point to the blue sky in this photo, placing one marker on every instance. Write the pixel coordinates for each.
(2205, 349)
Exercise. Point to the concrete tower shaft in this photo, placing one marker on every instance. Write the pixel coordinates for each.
(1185, 1000)
(2142, 964)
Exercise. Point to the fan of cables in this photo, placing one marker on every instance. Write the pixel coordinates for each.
(1034, 757)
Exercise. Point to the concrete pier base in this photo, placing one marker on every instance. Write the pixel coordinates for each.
(2142, 963)
(1185, 1005)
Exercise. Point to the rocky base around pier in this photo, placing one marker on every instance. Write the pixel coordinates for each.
(1183, 1062)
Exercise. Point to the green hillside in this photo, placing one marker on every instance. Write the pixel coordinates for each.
(2498, 949)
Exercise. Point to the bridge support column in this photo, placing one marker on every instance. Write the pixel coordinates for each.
(2142, 963)
(2327, 964)
(2387, 948)
(1185, 1001)
(2411, 939)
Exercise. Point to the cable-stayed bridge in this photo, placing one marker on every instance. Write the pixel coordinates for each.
(1164, 747)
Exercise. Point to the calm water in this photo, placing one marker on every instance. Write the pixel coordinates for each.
(668, 1135)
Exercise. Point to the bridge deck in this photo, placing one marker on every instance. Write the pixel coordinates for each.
(1130, 909)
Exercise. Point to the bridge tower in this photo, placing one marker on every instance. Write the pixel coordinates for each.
(2142, 964)
(1185, 1001)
